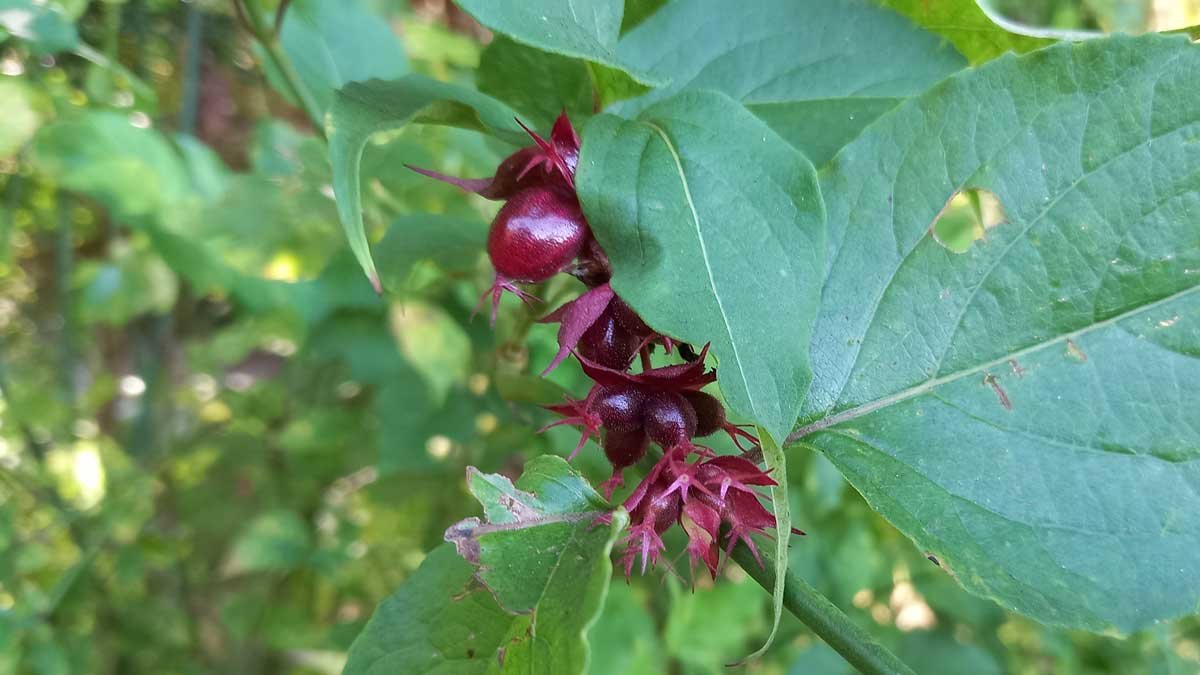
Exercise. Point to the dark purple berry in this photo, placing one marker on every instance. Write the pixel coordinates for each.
(608, 342)
(620, 408)
(710, 414)
(670, 420)
(624, 448)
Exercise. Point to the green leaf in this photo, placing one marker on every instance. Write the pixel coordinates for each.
(542, 557)
(585, 29)
(1025, 410)
(361, 109)
(706, 213)
(334, 42)
(967, 26)
(538, 84)
(541, 553)
(439, 621)
(799, 65)
(44, 25)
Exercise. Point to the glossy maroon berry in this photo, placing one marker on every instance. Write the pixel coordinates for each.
(608, 342)
(538, 232)
(620, 408)
(628, 318)
(710, 414)
(670, 420)
(625, 448)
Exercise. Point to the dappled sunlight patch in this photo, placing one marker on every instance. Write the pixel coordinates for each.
(966, 218)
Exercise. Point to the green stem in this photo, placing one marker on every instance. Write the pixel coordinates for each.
(825, 619)
(269, 41)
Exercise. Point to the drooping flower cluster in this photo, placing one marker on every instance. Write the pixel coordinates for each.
(541, 231)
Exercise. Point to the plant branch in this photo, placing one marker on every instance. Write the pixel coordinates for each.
(251, 18)
(825, 619)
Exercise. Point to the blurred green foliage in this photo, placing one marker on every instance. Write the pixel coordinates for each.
(220, 450)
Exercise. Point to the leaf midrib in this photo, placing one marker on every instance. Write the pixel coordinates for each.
(712, 282)
(933, 383)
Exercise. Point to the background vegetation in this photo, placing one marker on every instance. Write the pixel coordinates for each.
(219, 450)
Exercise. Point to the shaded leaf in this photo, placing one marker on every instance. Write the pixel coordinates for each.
(705, 212)
(806, 67)
(538, 84)
(1060, 352)
(362, 109)
(585, 29)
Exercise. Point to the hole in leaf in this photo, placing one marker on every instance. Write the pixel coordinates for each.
(966, 218)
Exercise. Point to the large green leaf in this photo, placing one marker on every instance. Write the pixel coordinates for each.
(543, 558)
(1026, 410)
(335, 42)
(537, 83)
(967, 26)
(585, 29)
(807, 67)
(707, 214)
(361, 109)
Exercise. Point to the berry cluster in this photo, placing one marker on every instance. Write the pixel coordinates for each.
(541, 231)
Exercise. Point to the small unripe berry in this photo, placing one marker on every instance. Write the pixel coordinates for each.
(670, 420)
(538, 232)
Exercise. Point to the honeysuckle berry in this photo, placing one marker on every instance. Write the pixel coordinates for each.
(603, 329)
(608, 342)
(670, 420)
(623, 449)
(535, 235)
(621, 408)
(710, 418)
